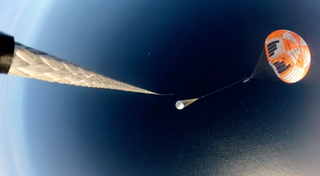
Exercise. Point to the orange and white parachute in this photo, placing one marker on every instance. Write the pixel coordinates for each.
(288, 54)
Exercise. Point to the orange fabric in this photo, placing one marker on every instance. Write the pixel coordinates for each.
(290, 51)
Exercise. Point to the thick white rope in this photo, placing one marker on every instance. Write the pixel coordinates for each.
(31, 63)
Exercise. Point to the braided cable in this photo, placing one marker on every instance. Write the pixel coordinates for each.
(30, 63)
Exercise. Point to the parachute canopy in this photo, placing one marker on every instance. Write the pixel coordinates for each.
(288, 54)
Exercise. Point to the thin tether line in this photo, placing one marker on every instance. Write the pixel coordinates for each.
(241, 80)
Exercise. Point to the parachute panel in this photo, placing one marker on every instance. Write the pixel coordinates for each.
(288, 54)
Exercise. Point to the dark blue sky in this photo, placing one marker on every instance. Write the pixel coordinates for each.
(261, 127)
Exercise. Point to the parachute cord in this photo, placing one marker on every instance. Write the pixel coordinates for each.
(260, 71)
(241, 80)
(257, 64)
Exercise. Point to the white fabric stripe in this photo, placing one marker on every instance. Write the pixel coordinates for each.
(288, 36)
(295, 75)
(294, 54)
(306, 59)
(288, 75)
